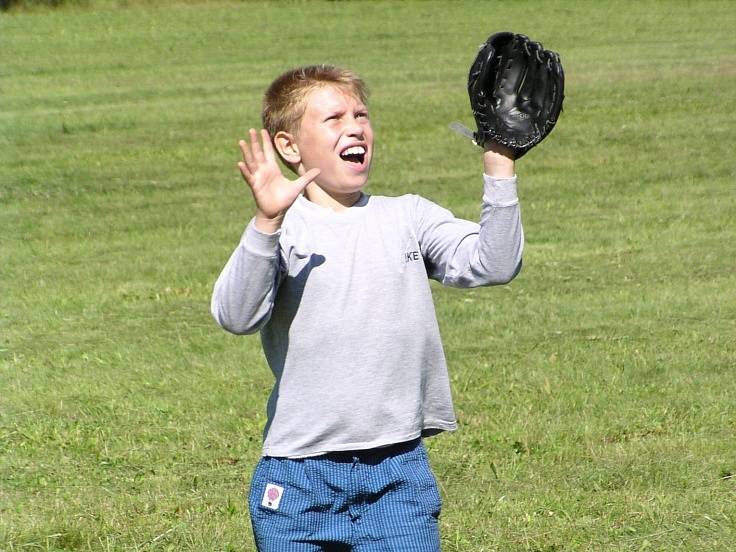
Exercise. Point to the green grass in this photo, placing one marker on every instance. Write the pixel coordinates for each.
(595, 393)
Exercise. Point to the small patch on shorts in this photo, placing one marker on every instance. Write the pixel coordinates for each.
(272, 496)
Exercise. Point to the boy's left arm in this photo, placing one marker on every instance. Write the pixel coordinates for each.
(461, 253)
(498, 161)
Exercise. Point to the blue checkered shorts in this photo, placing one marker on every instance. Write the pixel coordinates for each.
(360, 501)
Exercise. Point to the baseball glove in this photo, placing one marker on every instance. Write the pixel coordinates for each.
(516, 88)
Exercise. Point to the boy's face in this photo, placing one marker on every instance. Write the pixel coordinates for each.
(335, 135)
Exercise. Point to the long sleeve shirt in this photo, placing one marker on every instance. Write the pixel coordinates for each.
(344, 307)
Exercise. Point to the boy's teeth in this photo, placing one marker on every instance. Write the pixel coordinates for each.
(355, 150)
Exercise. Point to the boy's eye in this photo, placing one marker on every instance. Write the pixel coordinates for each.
(362, 114)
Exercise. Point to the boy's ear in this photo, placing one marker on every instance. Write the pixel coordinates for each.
(286, 146)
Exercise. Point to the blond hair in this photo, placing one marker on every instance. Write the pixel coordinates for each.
(286, 99)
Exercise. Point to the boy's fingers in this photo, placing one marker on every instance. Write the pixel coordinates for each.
(247, 157)
(245, 172)
(255, 147)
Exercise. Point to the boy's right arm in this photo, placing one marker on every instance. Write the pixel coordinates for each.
(244, 293)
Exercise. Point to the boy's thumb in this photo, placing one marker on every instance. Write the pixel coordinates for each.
(307, 177)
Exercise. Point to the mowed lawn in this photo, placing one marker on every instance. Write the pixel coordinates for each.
(596, 393)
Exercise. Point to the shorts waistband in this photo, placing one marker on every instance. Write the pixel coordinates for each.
(371, 456)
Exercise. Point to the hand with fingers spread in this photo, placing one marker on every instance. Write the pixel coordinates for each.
(272, 191)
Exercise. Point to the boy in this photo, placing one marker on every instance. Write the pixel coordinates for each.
(337, 283)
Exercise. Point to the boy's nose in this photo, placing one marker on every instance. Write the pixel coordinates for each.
(354, 128)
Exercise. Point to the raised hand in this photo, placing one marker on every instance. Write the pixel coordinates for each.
(272, 191)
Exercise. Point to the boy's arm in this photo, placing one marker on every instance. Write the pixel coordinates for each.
(498, 161)
(244, 293)
(461, 253)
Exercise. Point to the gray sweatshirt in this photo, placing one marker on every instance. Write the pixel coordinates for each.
(345, 311)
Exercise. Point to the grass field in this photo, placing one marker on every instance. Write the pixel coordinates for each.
(595, 393)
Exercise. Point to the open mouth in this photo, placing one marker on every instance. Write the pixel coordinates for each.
(354, 154)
